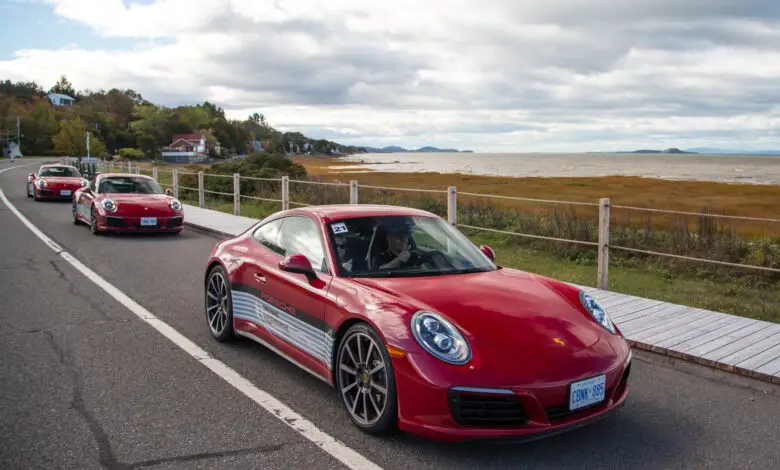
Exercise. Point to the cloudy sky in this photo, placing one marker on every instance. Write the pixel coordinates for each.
(488, 75)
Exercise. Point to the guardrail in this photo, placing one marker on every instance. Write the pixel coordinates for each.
(352, 190)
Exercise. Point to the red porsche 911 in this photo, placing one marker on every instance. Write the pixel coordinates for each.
(416, 327)
(54, 181)
(119, 202)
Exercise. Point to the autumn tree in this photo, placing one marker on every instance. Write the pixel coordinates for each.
(71, 140)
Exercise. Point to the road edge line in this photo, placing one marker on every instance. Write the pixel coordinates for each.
(341, 452)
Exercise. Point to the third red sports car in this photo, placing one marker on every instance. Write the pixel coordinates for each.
(416, 327)
(119, 202)
(54, 181)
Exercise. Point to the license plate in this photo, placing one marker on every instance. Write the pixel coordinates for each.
(587, 392)
(65, 192)
(146, 221)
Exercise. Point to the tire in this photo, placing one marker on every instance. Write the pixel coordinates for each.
(75, 216)
(221, 328)
(363, 402)
(93, 221)
(27, 190)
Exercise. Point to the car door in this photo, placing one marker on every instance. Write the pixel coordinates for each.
(292, 308)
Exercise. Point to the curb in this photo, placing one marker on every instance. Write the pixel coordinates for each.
(208, 230)
(701, 362)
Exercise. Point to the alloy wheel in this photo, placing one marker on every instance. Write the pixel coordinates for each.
(363, 378)
(218, 305)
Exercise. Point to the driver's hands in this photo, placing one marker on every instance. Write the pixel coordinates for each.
(403, 257)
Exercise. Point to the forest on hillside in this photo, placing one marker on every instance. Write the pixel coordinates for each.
(123, 119)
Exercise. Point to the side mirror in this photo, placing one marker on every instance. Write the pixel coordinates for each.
(31, 175)
(487, 251)
(298, 264)
(84, 183)
(169, 191)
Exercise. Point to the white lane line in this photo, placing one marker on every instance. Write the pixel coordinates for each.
(309, 430)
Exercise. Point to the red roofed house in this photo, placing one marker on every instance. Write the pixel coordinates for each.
(186, 148)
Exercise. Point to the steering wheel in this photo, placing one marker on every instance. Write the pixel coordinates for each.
(431, 259)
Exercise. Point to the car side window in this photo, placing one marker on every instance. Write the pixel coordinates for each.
(300, 235)
(268, 235)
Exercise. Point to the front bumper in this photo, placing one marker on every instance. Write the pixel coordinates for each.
(117, 223)
(55, 193)
(518, 413)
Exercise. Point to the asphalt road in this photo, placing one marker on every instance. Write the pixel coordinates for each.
(85, 384)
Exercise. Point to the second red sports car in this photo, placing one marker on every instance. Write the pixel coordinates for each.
(54, 181)
(119, 202)
(416, 327)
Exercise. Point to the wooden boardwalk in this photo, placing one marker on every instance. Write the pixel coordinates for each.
(728, 342)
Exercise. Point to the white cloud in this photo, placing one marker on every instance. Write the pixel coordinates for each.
(499, 75)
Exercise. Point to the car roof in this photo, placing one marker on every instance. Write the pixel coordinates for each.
(350, 211)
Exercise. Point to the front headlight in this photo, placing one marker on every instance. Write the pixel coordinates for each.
(440, 338)
(109, 205)
(597, 311)
(175, 204)
(42, 184)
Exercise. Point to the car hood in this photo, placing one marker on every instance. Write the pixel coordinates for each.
(510, 318)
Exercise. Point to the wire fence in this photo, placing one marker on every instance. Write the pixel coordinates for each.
(745, 243)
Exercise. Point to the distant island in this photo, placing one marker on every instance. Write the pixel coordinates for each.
(669, 150)
(702, 150)
(397, 149)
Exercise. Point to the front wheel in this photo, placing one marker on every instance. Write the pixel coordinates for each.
(219, 305)
(93, 221)
(75, 213)
(366, 381)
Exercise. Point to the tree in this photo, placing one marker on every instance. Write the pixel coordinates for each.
(124, 119)
(38, 127)
(64, 87)
(71, 140)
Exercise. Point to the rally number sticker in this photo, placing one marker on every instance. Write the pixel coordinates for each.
(340, 227)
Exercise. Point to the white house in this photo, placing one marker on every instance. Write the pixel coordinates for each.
(58, 99)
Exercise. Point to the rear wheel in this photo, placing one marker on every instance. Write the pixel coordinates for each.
(219, 305)
(366, 381)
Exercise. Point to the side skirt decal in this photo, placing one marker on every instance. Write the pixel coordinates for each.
(290, 329)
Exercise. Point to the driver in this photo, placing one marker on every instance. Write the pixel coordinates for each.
(397, 253)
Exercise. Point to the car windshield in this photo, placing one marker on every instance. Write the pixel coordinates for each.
(403, 246)
(61, 171)
(130, 185)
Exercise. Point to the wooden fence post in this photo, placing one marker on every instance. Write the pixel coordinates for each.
(285, 192)
(603, 266)
(237, 193)
(175, 182)
(201, 194)
(154, 173)
(452, 205)
(353, 192)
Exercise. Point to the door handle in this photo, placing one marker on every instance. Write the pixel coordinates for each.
(260, 278)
